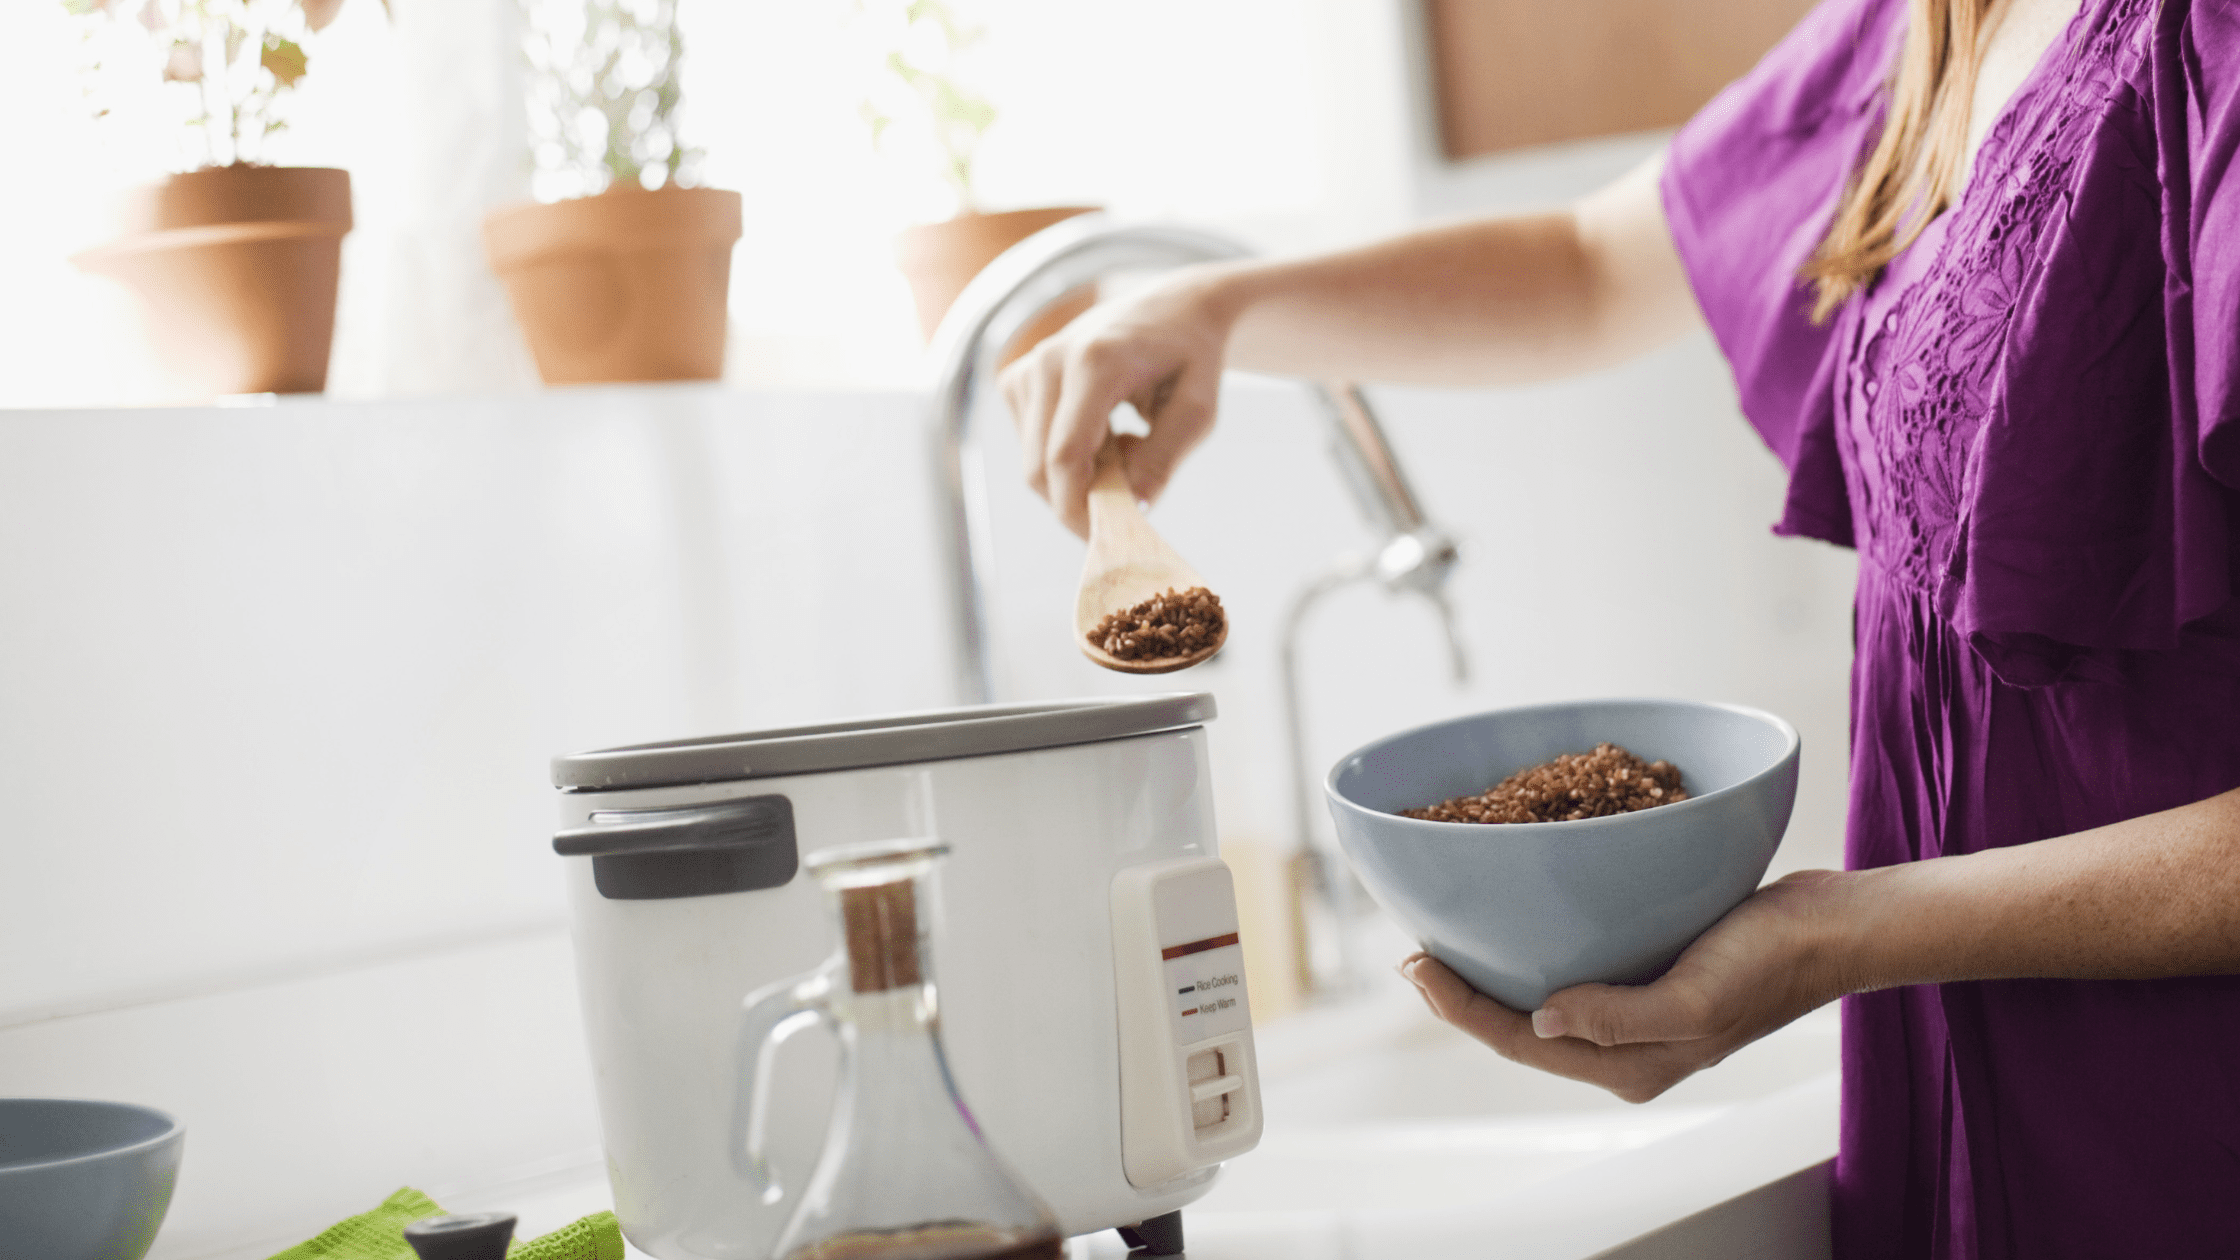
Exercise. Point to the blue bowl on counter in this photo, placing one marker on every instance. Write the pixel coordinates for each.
(1521, 910)
(82, 1180)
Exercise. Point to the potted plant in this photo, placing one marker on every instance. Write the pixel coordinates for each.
(919, 101)
(236, 261)
(620, 270)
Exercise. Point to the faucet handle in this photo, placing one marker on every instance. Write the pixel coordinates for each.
(1458, 657)
(1366, 462)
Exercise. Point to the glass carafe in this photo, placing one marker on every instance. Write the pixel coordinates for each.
(905, 1174)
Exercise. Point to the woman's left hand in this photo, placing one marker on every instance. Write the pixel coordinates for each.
(1764, 964)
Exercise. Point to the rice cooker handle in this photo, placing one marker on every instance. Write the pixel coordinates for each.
(774, 1013)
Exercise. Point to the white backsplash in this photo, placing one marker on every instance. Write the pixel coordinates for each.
(278, 687)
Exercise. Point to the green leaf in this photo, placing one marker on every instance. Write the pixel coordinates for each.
(951, 105)
(284, 58)
(84, 8)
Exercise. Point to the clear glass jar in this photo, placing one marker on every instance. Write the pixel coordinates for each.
(905, 1173)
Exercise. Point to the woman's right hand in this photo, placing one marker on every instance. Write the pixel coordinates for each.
(1771, 959)
(1160, 350)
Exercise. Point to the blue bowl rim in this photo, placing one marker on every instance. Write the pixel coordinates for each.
(1791, 742)
(171, 1132)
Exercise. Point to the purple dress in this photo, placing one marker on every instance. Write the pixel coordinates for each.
(2030, 429)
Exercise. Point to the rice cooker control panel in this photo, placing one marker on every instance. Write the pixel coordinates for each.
(1189, 1092)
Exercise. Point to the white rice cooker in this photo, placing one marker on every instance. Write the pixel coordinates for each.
(1091, 979)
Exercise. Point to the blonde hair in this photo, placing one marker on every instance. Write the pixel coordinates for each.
(1914, 170)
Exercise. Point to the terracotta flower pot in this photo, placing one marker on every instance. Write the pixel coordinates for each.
(236, 267)
(940, 259)
(629, 285)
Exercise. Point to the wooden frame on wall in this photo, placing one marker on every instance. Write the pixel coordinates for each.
(1508, 74)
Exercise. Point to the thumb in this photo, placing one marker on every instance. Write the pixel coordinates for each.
(1621, 1014)
(1180, 419)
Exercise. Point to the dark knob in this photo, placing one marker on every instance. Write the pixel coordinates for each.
(481, 1236)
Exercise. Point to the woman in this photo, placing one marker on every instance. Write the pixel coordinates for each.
(1976, 269)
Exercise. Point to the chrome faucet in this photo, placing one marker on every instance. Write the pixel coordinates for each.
(1412, 556)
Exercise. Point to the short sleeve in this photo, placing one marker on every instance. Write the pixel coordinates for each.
(1750, 185)
(2206, 60)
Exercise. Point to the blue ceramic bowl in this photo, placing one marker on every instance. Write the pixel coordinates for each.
(1521, 910)
(84, 1180)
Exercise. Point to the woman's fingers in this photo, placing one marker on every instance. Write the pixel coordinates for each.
(1029, 387)
(1635, 1073)
(1094, 383)
(1617, 1015)
(1453, 1000)
(1180, 409)
(1756, 969)
(1161, 350)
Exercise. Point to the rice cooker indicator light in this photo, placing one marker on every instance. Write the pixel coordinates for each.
(1207, 976)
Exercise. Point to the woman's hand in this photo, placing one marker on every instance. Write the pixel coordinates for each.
(1161, 351)
(1763, 965)
(2152, 896)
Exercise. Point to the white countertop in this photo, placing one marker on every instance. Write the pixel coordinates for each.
(1749, 1182)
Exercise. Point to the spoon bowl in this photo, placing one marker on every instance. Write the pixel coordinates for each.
(1127, 564)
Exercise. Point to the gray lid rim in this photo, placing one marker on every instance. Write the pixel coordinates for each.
(884, 740)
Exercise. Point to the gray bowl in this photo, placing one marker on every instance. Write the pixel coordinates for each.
(84, 1180)
(1521, 910)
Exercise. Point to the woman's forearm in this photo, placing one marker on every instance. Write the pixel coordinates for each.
(1489, 302)
(1482, 303)
(2157, 895)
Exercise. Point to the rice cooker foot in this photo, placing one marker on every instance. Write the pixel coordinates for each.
(1159, 1236)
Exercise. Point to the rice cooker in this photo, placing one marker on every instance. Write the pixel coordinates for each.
(1090, 974)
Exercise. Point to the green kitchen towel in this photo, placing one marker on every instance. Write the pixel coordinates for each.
(379, 1235)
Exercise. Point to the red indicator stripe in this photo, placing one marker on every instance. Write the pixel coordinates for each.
(1172, 952)
(1192, 1011)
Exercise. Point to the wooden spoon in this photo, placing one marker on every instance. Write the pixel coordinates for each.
(1127, 564)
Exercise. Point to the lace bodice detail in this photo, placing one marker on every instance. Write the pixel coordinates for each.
(1924, 350)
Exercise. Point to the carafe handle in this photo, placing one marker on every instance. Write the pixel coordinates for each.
(774, 1013)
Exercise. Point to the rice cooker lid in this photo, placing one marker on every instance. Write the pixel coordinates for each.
(897, 739)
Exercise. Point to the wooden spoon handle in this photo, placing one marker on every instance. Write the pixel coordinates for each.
(1111, 476)
(1116, 524)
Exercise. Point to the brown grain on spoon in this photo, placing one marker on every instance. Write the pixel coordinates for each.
(1129, 564)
